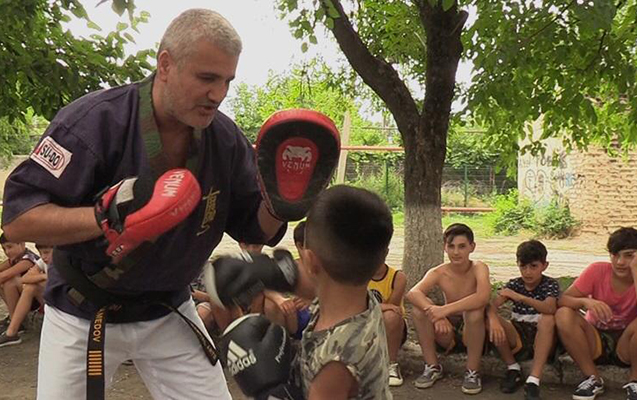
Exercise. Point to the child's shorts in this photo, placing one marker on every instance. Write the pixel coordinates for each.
(606, 347)
(525, 341)
(303, 317)
(457, 345)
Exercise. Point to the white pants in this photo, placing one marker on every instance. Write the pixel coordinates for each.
(166, 353)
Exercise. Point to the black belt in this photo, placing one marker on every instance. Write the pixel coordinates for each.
(108, 301)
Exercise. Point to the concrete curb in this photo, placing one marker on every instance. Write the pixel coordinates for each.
(563, 371)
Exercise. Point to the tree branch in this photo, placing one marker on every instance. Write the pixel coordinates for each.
(377, 73)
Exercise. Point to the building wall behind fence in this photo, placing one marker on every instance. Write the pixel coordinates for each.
(600, 190)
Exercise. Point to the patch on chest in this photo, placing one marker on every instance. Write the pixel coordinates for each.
(52, 156)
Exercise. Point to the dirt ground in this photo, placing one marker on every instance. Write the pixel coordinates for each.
(18, 364)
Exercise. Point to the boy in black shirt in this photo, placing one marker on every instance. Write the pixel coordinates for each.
(531, 331)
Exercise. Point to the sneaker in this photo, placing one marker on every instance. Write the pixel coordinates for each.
(429, 376)
(531, 391)
(128, 363)
(9, 340)
(395, 377)
(472, 383)
(631, 390)
(22, 329)
(512, 381)
(589, 388)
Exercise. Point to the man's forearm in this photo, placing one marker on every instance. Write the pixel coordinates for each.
(53, 225)
(269, 225)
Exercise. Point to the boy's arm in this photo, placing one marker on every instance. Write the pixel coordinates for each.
(34, 275)
(476, 300)
(4, 265)
(576, 300)
(546, 306)
(398, 292)
(334, 382)
(17, 270)
(418, 294)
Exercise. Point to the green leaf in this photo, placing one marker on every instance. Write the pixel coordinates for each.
(447, 4)
(129, 37)
(331, 10)
(121, 26)
(304, 47)
(329, 22)
(433, 2)
(93, 25)
(119, 6)
(313, 39)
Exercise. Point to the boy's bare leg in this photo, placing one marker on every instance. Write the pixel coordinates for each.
(578, 337)
(544, 343)
(29, 292)
(12, 289)
(506, 349)
(627, 348)
(394, 327)
(427, 337)
(473, 337)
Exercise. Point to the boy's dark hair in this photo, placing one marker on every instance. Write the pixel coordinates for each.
(299, 233)
(531, 251)
(43, 246)
(3, 239)
(622, 239)
(349, 230)
(454, 230)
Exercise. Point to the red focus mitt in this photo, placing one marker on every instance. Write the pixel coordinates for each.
(139, 209)
(297, 152)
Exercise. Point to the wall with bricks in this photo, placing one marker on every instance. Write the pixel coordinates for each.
(601, 190)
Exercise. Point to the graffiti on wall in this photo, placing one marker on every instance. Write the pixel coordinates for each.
(546, 176)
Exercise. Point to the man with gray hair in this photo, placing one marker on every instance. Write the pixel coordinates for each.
(169, 120)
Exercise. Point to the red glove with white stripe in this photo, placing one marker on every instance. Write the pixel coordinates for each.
(139, 209)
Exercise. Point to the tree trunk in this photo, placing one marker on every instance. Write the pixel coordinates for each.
(425, 146)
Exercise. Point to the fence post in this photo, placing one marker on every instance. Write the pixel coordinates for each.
(466, 186)
(342, 159)
(386, 179)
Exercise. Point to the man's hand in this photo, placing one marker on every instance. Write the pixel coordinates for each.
(141, 209)
(436, 313)
(510, 294)
(600, 310)
(443, 327)
(497, 335)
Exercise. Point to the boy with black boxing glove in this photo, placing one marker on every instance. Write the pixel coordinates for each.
(347, 235)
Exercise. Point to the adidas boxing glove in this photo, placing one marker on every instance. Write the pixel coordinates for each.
(259, 357)
(139, 209)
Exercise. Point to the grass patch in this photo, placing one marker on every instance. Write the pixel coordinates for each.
(480, 223)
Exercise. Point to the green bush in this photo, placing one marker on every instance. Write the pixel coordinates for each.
(555, 221)
(389, 187)
(512, 214)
